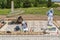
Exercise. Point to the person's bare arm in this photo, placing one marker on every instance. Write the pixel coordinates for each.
(26, 24)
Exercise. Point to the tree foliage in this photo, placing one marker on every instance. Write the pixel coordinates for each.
(49, 3)
(24, 3)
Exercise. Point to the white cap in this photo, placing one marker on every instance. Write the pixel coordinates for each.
(23, 22)
(51, 8)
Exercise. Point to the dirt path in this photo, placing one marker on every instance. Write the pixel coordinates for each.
(31, 17)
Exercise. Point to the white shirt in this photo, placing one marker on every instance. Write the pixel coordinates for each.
(24, 24)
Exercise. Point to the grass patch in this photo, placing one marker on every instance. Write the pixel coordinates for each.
(4, 11)
(32, 10)
(39, 11)
(35, 10)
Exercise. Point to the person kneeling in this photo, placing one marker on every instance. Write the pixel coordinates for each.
(24, 26)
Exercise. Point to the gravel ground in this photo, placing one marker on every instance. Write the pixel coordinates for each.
(36, 25)
(28, 37)
(58, 22)
(31, 37)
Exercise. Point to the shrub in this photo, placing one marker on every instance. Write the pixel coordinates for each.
(55, 5)
(42, 5)
(26, 4)
(49, 3)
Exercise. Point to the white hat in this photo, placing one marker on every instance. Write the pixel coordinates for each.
(51, 8)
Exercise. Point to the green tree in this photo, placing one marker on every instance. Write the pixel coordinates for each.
(26, 4)
(5, 3)
(35, 3)
(8, 5)
(2, 4)
(17, 3)
(49, 3)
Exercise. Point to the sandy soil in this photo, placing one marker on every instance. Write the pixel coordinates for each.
(31, 17)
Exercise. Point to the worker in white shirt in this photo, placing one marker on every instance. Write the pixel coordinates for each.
(24, 26)
(50, 16)
(22, 23)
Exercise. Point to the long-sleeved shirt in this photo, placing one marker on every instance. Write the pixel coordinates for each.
(50, 13)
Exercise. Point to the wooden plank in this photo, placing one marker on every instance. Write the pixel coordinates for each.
(20, 33)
